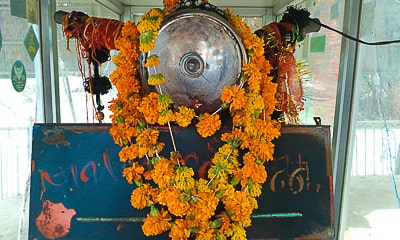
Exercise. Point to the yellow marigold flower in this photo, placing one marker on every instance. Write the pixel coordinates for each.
(133, 172)
(201, 186)
(156, 79)
(163, 102)
(148, 46)
(179, 230)
(165, 117)
(154, 225)
(255, 104)
(208, 124)
(184, 116)
(163, 172)
(239, 233)
(183, 178)
(143, 196)
(255, 191)
(154, 12)
(150, 24)
(147, 40)
(152, 61)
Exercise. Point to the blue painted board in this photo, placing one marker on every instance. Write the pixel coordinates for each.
(76, 176)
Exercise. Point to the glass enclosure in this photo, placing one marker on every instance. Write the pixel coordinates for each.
(320, 52)
(372, 203)
(370, 198)
(20, 88)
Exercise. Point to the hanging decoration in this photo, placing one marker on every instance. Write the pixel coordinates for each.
(281, 39)
(220, 206)
(94, 38)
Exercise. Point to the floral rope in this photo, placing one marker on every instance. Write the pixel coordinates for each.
(220, 206)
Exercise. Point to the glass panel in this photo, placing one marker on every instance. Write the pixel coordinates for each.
(372, 195)
(78, 106)
(20, 85)
(254, 23)
(319, 55)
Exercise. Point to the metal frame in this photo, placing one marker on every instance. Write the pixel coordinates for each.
(345, 103)
(49, 62)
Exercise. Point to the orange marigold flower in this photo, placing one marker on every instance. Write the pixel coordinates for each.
(128, 153)
(205, 234)
(208, 124)
(176, 203)
(238, 101)
(234, 96)
(254, 44)
(226, 224)
(228, 92)
(147, 142)
(169, 4)
(179, 230)
(184, 116)
(204, 205)
(163, 172)
(264, 150)
(239, 204)
(252, 170)
(162, 197)
(154, 225)
(133, 172)
(148, 137)
(149, 108)
(254, 76)
(143, 196)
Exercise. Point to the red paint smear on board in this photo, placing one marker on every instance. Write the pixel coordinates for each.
(54, 221)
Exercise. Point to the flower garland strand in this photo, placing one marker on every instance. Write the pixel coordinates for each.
(219, 207)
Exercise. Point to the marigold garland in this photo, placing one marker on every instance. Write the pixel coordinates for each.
(178, 203)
